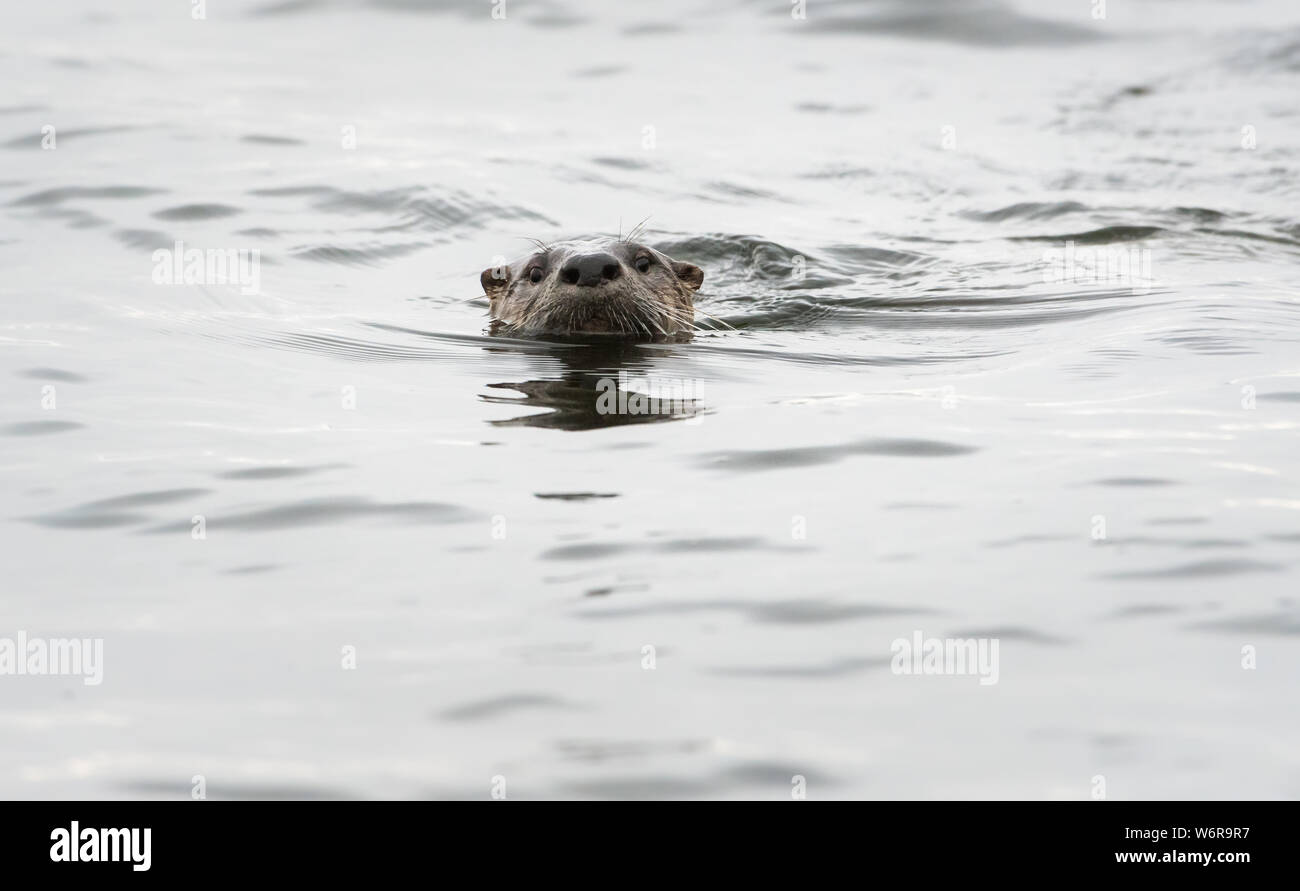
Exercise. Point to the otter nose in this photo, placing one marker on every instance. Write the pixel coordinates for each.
(590, 269)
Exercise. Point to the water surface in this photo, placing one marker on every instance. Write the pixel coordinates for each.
(900, 420)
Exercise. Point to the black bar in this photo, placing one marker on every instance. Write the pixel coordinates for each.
(333, 841)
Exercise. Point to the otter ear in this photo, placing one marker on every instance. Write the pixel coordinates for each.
(494, 280)
(692, 276)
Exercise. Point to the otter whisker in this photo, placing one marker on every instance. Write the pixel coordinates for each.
(644, 323)
(647, 311)
(632, 323)
(636, 232)
(700, 312)
(541, 245)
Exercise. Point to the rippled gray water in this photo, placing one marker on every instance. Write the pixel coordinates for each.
(901, 421)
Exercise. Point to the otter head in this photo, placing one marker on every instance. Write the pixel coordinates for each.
(603, 286)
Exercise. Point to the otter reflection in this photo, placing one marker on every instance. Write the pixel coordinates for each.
(606, 384)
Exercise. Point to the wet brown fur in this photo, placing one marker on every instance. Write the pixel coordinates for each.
(652, 300)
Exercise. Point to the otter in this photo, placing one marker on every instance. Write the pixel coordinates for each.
(601, 286)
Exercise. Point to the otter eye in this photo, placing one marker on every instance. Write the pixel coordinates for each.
(535, 274)
(643, 264)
